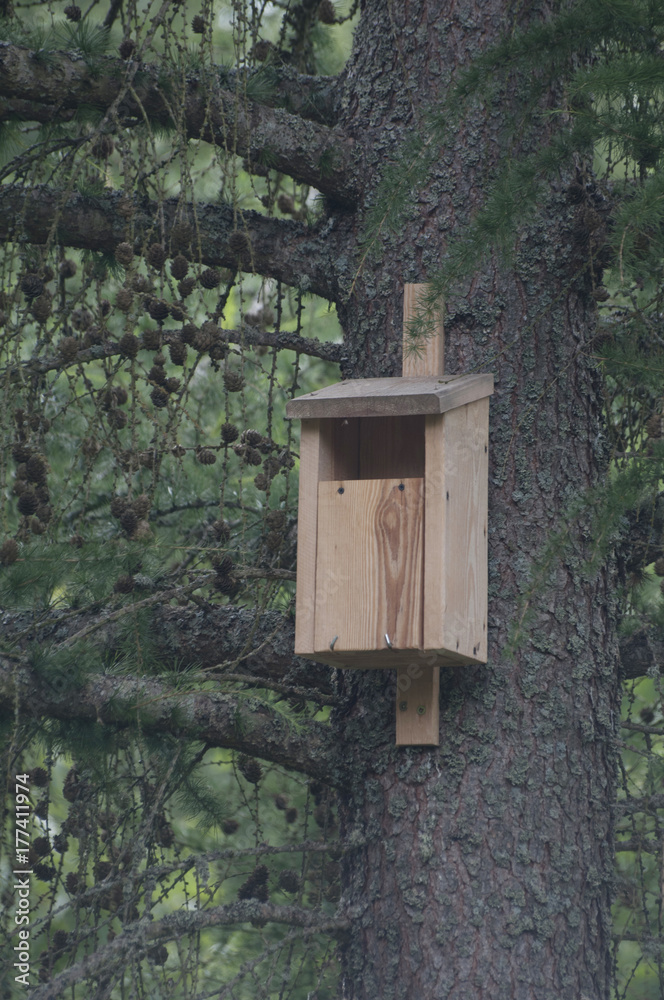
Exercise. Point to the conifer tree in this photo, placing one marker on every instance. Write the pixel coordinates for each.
(205, 210)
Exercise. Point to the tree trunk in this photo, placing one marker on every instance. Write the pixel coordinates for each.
(488, 864)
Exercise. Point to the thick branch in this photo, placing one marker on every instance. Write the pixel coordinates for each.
(215, 719)
(138, 938)
(249, 336)
(308, 151)
(278, 248)
(222, 638)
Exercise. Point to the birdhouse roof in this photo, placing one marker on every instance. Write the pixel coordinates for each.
(390, 397)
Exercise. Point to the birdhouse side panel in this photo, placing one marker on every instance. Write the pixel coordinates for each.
(455, 571)
(369, 571)
(307, 520)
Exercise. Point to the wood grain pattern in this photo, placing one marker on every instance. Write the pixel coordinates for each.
(384, 397)
(369, 573)
(455, 559)
(418, 695)
(430, 356)
(306, 537)
(412, 728)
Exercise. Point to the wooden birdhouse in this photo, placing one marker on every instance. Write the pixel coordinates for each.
(392, 530)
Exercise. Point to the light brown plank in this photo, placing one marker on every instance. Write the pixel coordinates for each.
(369, 574)
(384, 397)
(306, 537)
(430, 356)
(455, 560)
(418, 695)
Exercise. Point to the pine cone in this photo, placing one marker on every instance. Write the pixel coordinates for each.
(124, 584)
(238, 243)
(129, 345)
(41, 307)
(198, 25)
(158, 310)
(72, 883)
(45, 873)
(181, 234)
(291, 815)
(9, 552)
(281, 802)
(159, 397)
(176, 312)
(35, 469)
(67, 269)
(210, 278)
(124, 299)
(223, 565)
(206, 456)
(289, 880)
(141, 505)
(274, 540)
(41, 846)
(178, 352)
(218, 350)
(128, 520)
(261, 482)
(120, 395)
(119, 506)
(127, 47)
(179, 267)
(229, 433)
(252, 437)
(28, 503)
(233, 381)
(659, 566)
(230, 826)
(32, 286)
(157, 374)
(124, 254)
(156, 256)
(73, 12)
(68, 348)
(151, 340)
(250, 769)
(117, 419)
(222, 530)
(39, 777)
(275, 519)
(189, 334)
(186, 287)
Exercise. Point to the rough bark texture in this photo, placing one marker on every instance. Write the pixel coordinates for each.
(309, 151)
(278, 248)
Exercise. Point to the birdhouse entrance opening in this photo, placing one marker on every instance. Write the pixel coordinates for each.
(372, 448)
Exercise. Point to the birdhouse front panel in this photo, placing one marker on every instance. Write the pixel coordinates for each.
(392, 526)
(371, 532)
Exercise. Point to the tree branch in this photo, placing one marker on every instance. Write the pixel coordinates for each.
(144, 934)
(248, 336)
(235, 638)
(217, 720)
(278, 248)
(305, 150)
